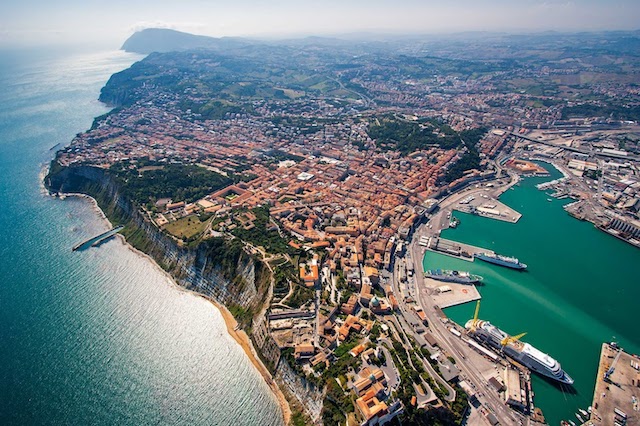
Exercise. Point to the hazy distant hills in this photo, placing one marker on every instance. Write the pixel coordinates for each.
(166, 40)
(478, 46)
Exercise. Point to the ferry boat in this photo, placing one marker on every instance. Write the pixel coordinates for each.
(509, 262)
(459, 277)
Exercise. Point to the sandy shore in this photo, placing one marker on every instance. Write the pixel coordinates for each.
(238, 335)
(243, 340)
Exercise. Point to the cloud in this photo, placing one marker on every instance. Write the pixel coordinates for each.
(557, 5)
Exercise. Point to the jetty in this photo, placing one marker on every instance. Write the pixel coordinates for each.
(97, 240)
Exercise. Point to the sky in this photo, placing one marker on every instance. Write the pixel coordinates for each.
(42, 22)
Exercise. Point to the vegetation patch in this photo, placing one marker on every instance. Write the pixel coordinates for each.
(264, 234)
(186, 227)
(395, 134)
(180, 182)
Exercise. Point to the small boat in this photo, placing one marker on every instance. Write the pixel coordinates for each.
(589, 408)
(579, 418)
(564, 423)
(549, 199)
(572, 423)
(584, 413)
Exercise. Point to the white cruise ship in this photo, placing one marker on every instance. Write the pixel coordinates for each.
(524, 353)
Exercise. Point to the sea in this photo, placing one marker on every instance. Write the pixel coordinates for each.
(580, 289)
(100, 336)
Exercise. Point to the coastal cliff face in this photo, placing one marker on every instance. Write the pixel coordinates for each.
(216, 268)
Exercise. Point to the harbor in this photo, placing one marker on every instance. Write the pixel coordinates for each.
(560, 283)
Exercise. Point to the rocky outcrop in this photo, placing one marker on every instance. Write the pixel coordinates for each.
(307, 394)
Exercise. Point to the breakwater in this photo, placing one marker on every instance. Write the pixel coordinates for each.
(97, 240)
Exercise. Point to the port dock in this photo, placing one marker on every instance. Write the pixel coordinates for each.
(97, 240)
(446, 294)
(487, 206)
(616, 399)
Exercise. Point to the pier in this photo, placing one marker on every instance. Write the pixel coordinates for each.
(447, 294)
(615, 399)
(485, 205)
(97, 240)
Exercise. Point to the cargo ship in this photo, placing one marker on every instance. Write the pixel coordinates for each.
(509, 262)
(523, 353)
(459, 277)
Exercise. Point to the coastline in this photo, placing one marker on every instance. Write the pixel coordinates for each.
(240, 336)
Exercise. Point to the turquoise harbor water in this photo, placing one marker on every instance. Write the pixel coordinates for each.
(581, 289)
(99, 336)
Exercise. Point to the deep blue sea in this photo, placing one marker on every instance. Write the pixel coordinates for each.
(100, 336)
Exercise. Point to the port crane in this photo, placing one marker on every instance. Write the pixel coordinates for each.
(509, 339)
(474, 323)
(609, 372)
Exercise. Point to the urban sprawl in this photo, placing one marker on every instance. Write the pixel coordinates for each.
(341, 172)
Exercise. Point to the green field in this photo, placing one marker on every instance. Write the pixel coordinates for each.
(187, 227)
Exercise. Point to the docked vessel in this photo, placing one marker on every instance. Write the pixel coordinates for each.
(509, 262)
(459, 277)
(523, 353)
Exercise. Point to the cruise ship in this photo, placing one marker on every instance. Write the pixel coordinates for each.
(509, 262)
(459, 277)
(524, 353)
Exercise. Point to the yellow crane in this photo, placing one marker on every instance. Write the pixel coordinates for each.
(504, 342)
(474, 323)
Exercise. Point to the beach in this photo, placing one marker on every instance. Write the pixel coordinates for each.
(240, 336)
(243, 340)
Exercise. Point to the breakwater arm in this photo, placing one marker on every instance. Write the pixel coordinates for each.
(97, 240)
